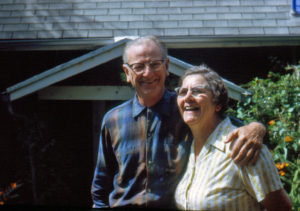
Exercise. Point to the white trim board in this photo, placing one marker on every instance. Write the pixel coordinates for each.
(86, 93)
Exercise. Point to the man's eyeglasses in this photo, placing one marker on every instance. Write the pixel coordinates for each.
(139, 68)
(196, 91)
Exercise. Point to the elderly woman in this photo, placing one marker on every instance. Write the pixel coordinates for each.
(212, 181)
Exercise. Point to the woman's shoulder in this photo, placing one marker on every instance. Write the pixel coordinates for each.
(221, 133)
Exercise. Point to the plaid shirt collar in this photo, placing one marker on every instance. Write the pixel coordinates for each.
(162, 107)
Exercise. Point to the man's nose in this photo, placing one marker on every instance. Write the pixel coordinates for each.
(148, 70)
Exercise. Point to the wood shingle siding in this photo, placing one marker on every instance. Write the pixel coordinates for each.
(39, 19)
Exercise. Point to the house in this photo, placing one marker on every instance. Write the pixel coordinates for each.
(61, 69)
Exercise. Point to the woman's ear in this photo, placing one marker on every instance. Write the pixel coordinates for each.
(218, 108)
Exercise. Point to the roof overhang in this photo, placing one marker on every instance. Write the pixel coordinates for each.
(44, 80)
(171, 42)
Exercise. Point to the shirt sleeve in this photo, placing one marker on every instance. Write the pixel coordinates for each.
(261, 178)
(102, 183)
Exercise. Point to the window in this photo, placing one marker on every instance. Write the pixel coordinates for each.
(296, 7)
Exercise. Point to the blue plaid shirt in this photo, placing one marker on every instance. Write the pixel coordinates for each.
(142, 154)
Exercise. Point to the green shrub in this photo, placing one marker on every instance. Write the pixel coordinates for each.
(275, 102)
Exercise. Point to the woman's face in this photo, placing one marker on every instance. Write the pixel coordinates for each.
(195, 101)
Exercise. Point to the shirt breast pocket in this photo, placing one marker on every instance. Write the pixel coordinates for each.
(127, 153)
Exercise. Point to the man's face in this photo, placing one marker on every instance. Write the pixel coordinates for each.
(149, 83)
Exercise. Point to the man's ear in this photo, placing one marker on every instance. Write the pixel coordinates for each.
(125, 68)
(167, 66)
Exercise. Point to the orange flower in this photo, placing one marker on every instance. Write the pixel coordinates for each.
(288, 139)
(1, 202)
(278, 166)
(272, 122)
(13, 185)
(281, 173)
(281, 166)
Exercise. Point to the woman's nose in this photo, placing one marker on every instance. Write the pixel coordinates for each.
(189, 95)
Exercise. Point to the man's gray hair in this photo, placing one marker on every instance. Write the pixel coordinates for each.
(141, 40)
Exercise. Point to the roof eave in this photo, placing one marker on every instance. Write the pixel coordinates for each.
(171, 42)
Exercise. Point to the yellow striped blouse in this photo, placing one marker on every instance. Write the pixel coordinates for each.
(215, 182)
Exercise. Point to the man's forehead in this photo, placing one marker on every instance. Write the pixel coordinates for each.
(144, 44)
(144, 48)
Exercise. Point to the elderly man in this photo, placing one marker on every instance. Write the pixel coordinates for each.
(144, 145)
